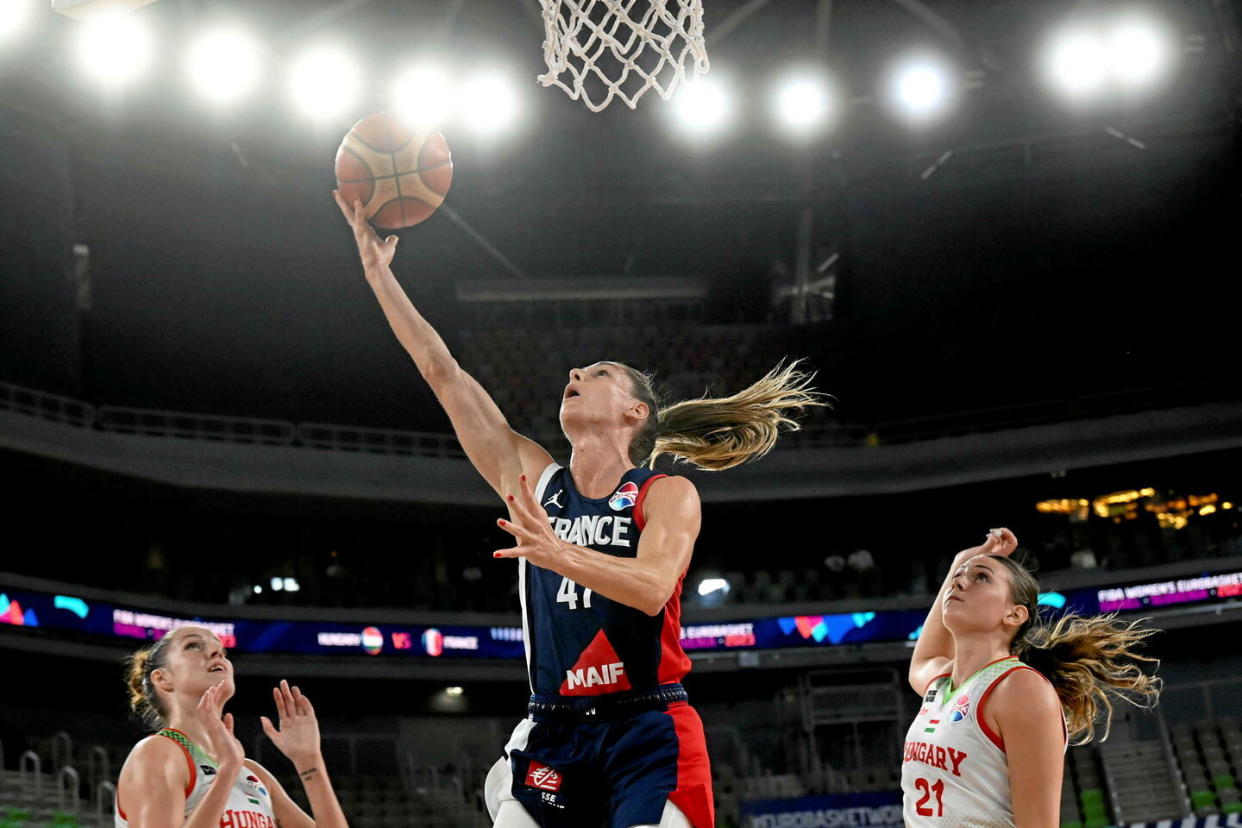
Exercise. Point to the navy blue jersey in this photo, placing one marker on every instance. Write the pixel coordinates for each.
(579, 643)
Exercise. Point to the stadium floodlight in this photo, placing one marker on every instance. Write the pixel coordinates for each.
(803, 102)
(1075, 65)
(453, 690)
(1138, 51)
(114, 49)
(324, 82)
(921, 89)
(278, 584)
(223, 65)
(709, 585)
(1088, 58)
(489, 103)
(702, 107)
(14, 15)
(422, 95)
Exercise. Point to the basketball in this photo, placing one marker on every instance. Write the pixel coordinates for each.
(401, 175)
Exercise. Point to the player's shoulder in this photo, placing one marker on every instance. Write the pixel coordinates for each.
(155, 753)
(1023, 691)
(672, 486)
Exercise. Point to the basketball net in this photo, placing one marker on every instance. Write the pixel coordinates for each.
(597, 50)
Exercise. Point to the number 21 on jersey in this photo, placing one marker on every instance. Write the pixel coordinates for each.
(568, 594)
(923, 806)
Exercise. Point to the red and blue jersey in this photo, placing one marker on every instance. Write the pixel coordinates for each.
(579, 643)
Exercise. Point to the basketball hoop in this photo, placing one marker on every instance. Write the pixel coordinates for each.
(597, 50)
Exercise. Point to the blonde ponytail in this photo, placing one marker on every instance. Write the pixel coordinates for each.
(717, 433)
(1091, 661)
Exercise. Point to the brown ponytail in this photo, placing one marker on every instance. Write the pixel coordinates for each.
(717, 433)
(144, 702)
(1090, 661)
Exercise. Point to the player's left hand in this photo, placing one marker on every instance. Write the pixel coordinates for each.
(298, 734)
(528, 523)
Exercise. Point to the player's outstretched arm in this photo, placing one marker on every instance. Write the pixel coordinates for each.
(933, 654)
(644, 582)
(499, 453)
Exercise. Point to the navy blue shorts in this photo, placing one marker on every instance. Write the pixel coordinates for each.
(587, 761)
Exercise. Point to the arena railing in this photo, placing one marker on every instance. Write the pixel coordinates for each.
(195, 426)
(336, 437)
(46, 406)
(105, 803)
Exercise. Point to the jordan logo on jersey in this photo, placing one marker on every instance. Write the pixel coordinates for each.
(597, 671)
(543, 777)
(555, 500)
(624, 497)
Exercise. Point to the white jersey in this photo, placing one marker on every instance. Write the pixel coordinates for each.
(954, 773)
(249, 804)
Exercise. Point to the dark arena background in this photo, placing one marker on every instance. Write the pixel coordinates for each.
(1004, 233)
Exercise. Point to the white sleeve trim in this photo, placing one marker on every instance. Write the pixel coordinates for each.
(552, 469)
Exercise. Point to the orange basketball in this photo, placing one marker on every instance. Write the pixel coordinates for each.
(401, 175)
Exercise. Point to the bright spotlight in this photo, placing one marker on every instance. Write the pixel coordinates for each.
(1075, 64)
(324, 82)
(114, 48)
(224, 65)
(453, 691)
(702, 107)
(803, 103)
(709, 585)
(1089, 58)
(489, 103)
(1137, 52)
(14, 15)
(422, 96)
(921, 89)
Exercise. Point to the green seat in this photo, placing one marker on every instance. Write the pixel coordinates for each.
(1202, 799)
(1091, 795)
(1223, 781)
(1232, 808)
(1097, 822)
(1071, 825)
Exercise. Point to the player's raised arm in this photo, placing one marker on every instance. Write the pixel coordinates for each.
(933, 654)
(500, 454)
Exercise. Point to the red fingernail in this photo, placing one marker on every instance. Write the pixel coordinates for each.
(495, 554)
(523, 478)
(510, 498)
(501, 521)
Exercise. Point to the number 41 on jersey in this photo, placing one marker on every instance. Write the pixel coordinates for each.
(568, 594)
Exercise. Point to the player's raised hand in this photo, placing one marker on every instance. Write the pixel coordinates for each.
(375, 252)
(528, 523)
(297, 736)
(224, 745)
(1000, 542)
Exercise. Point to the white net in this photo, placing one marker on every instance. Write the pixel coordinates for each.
(598, 50)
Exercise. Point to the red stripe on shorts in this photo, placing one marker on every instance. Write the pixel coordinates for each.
(694, 773)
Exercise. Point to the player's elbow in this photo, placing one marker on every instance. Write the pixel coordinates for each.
(438, 369)
(656, 599)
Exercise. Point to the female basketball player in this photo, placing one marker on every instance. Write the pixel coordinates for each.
(179, 686)
(1003, 692)
(602, 547)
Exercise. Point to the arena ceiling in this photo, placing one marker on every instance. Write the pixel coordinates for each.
(1019, 249)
